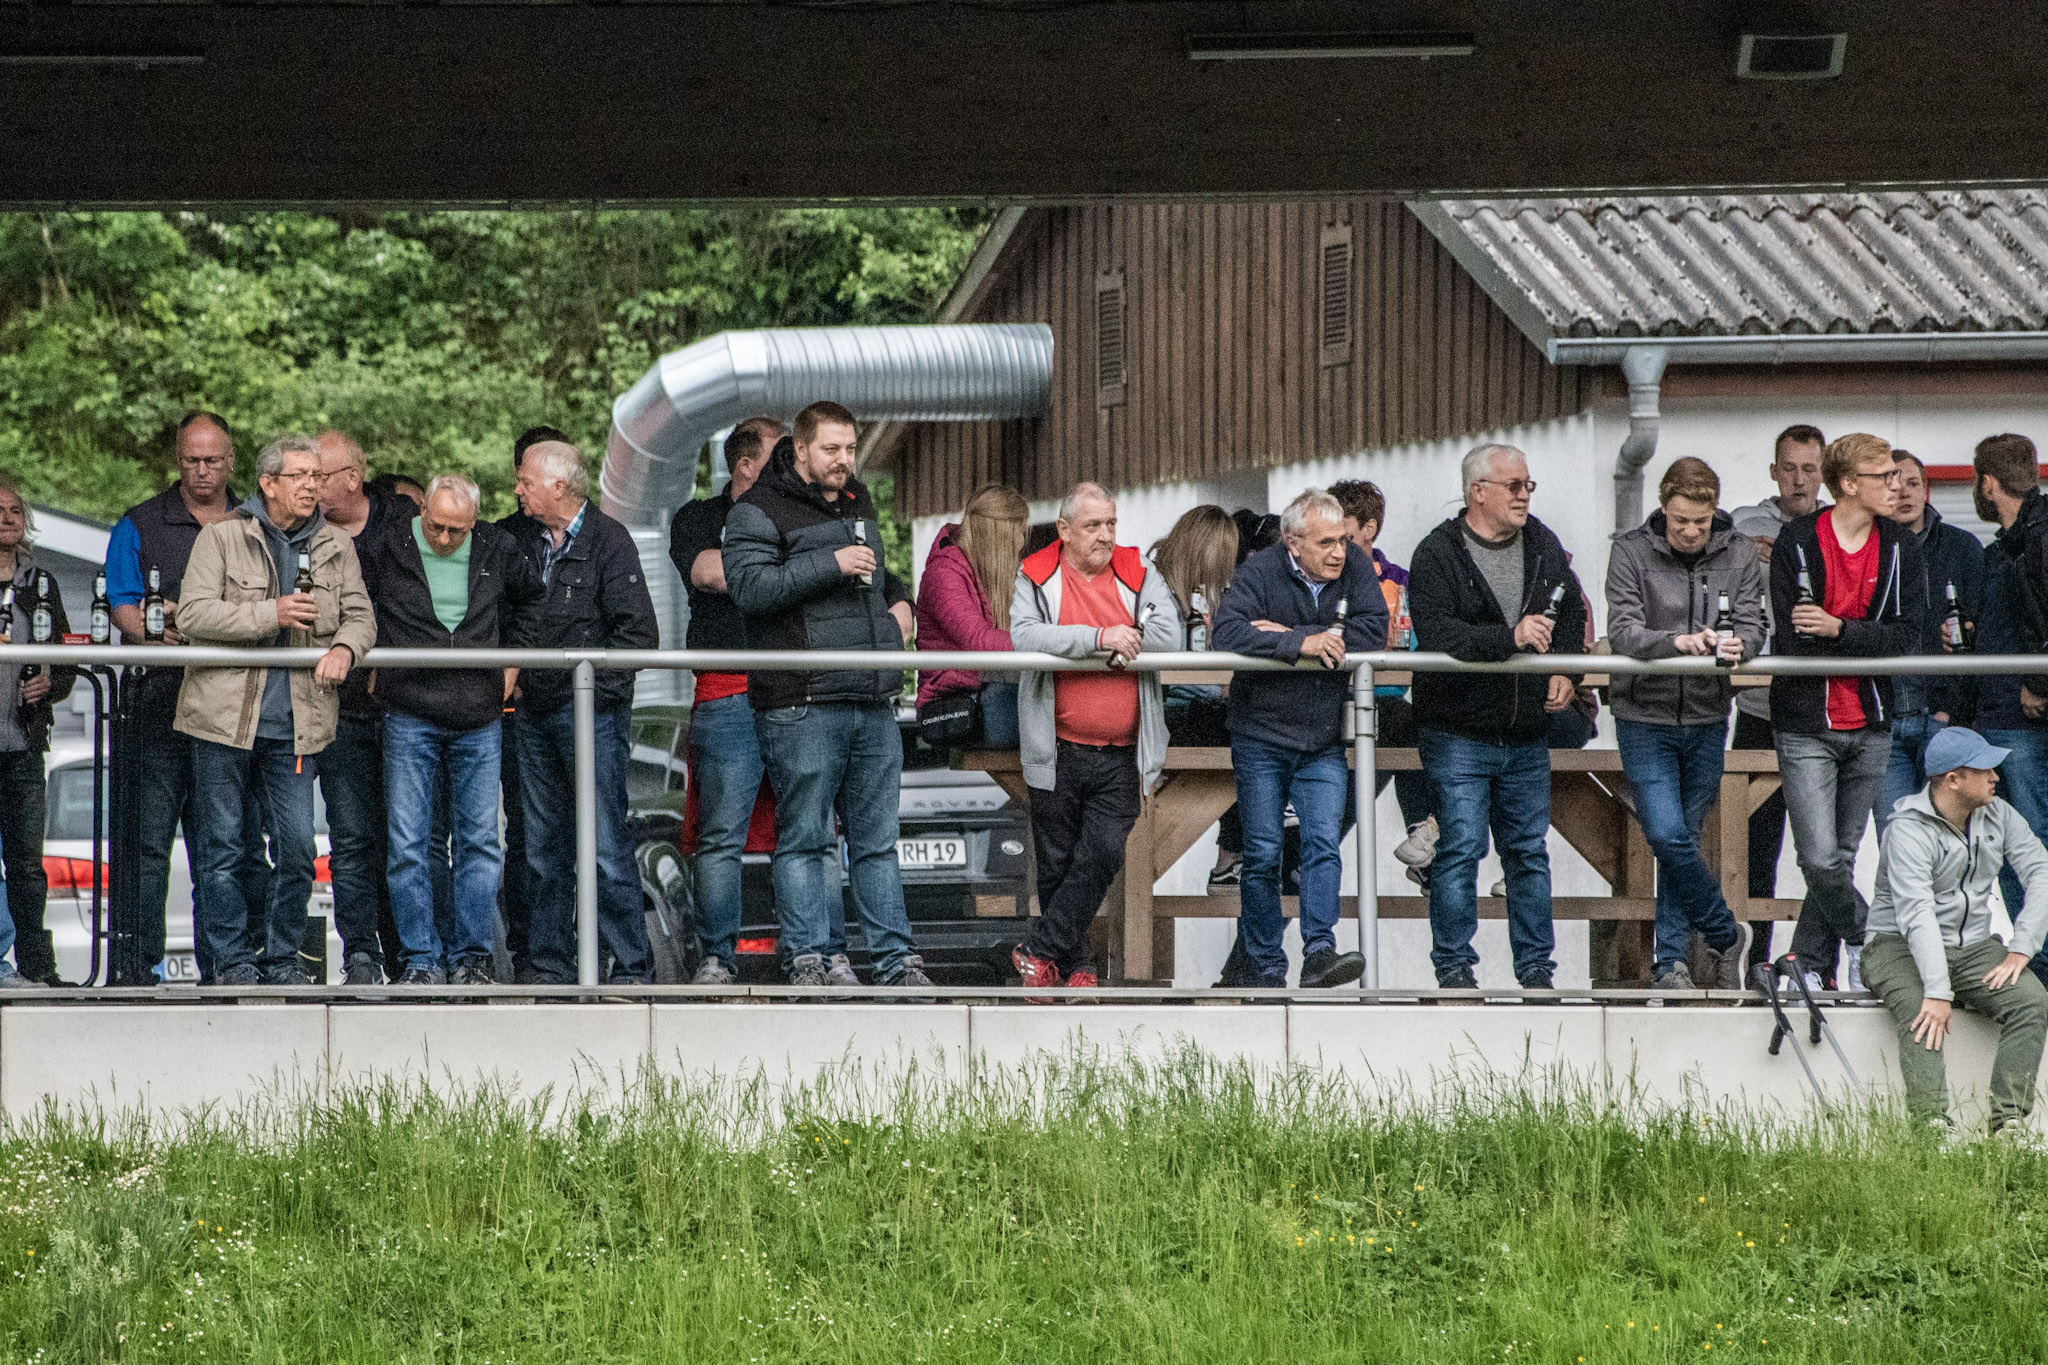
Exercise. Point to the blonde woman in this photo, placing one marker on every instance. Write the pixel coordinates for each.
(1197, 558)
(963, 602)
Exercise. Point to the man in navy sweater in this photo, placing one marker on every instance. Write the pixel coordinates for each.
(1308, 599)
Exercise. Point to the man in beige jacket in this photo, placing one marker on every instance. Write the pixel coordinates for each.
(254, 730)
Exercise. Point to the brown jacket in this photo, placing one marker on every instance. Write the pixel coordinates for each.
(229, 597)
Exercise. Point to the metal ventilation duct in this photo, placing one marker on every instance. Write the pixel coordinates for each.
(948, 373)
(940, 373)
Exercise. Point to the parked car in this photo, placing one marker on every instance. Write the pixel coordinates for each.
(962, 847)
(68, 860)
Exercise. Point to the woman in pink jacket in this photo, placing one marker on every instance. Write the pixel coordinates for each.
(963, 602)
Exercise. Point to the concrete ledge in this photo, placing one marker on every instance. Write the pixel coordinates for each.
(156, 1059)
(168, 1060)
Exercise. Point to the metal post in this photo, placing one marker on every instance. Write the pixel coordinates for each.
(1365, 724)
(586, 824)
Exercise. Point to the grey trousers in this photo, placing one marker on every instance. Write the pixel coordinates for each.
(1831, 782)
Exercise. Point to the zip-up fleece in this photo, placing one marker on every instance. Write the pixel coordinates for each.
(1652, 599)
(596, 598)
(782, 571)
(231, 590)
(1934, 886)
(1949, 554)
(504, 589)
(1035, 627)
(1890, 625)
(1454, 611)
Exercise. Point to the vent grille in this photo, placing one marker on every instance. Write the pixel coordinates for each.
(1334, 330)
(1111, 356)
(1790, 57)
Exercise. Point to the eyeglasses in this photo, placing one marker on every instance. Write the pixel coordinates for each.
(1516, 487)
(303, 476)
(1891, 474)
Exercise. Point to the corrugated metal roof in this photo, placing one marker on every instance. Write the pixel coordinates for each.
(1758, 264)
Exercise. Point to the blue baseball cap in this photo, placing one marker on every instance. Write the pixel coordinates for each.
(1961, 747)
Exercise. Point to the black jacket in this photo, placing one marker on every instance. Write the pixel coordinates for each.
(1300, 711)
(781, 571)
(35, 720)
(699, 525)
(1949, 554)
(1454, 612)
(596, 599)
(1890, 625)
(504, 588)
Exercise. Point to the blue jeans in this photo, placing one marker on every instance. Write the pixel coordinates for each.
(281, 784)
(1675, 773)
(845, 757)
(1479, 787)
(1319, 785)
(2023, 780)
(437, 778)
(725, 763)
(1904, 776)
(6, 920)
(547, 791)
(998, 716)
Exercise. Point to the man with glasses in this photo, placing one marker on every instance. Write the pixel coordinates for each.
(352, 768)
(1486, 585)
(255, 730)
(1846, 581)
(157, 536)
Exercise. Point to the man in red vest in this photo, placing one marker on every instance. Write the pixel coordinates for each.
(1092, 743)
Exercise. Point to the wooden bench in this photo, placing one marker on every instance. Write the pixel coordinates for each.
(1590, 806)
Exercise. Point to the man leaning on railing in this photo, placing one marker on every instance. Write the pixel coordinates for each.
(1313, 596)
(255, 730)
(1484, 585)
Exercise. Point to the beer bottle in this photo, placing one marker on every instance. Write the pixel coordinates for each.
(860, 537)
(7, 612)
(1404, 623)
(1806, 597)
(153, 608)
(41, 624)
(1952, 622)
(1550, 611)
(102, 610)
(302, 636)
(1336, 627)
(1724, 626)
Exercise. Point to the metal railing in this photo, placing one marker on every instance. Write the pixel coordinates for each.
(1363, 669)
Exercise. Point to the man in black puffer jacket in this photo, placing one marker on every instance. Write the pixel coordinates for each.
(1485, 585)
(801, 564)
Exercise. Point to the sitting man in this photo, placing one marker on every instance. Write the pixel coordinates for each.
(1929, 936)
(1312, 596)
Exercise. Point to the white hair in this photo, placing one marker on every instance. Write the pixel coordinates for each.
(1080, 493)
(563, 463)
(270, 459)
(1479, 461)
(1294, 520)
(464, 490)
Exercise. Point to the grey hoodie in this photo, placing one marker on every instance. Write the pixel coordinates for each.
(1652, 599)
(1934, 886)
(284, 547)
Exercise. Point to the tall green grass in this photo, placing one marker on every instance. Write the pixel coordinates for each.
(1081, 1212)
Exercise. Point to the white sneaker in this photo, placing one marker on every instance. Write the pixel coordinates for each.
(1854, 980)
(1813, 983)
(839, 971)
(1419, 848)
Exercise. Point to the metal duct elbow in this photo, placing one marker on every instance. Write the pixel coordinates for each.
(1643, 367)
(940, 373)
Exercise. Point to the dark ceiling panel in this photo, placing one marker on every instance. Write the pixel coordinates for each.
(490, 103)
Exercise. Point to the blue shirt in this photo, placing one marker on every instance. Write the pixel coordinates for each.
(551, 556)
(1315, 588)
(125, 586)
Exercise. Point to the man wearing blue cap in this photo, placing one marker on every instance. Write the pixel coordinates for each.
(1930, 944)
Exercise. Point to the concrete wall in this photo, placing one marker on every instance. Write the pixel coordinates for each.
(172, 1060)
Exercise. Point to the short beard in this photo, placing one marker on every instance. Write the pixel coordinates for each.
(1987, 510)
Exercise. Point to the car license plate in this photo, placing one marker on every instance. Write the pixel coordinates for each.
(181, 969)
(946, 850)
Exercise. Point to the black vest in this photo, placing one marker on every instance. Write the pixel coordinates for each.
(167, 531)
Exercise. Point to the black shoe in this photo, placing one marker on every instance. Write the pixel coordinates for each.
(423, 976)
(1238, 972)
(1535, 981)
(289, 974)
(1328, 967)
(1230, 874)
(472, 971)
(363, 970)
(242, 974)
(1457, 979)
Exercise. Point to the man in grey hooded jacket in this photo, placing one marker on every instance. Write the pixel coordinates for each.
(1930, 944)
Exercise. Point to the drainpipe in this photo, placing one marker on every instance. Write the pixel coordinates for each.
(1643, 367)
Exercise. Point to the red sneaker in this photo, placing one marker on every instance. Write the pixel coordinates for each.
(1085, 978)
(1035, 972)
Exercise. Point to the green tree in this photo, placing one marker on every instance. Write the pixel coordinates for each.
(433, 337)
